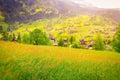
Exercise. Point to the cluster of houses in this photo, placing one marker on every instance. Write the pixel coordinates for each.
(82, 42)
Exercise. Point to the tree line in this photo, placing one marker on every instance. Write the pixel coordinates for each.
(38, 37)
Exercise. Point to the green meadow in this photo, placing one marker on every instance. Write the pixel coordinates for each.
(30, 62)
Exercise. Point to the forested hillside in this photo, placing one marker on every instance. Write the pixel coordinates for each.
(24, 10)
(29, 10)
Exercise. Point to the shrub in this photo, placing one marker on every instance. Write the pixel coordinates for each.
(76, 45)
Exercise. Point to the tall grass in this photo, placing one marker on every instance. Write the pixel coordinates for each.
(27, 62)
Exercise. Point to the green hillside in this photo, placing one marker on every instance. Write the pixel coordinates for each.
(27, 62)
(82, 27)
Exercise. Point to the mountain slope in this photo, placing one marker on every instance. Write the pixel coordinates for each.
(113, 14)
(21, 10)
(29, 10)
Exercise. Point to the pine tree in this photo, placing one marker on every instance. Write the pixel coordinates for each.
(10, 37)
(14, 38)
(19, 38)
(4, 36)
(72, 39)
(60, 43)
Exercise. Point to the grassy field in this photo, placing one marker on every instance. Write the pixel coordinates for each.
(28, 62)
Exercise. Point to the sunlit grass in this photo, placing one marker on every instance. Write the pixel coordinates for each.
(28, 62)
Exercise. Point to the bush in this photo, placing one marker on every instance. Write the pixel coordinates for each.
(116, 41)
(99, 43)
(38, 37)
(76, 45)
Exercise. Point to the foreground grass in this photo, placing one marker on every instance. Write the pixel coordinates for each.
(27, 62)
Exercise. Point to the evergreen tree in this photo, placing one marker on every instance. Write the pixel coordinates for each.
(116, 42)
(72, 39)
(14, 38)
(60, 43)
(5, 36)
(99, 43)
(10, 37)
(19, 38)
